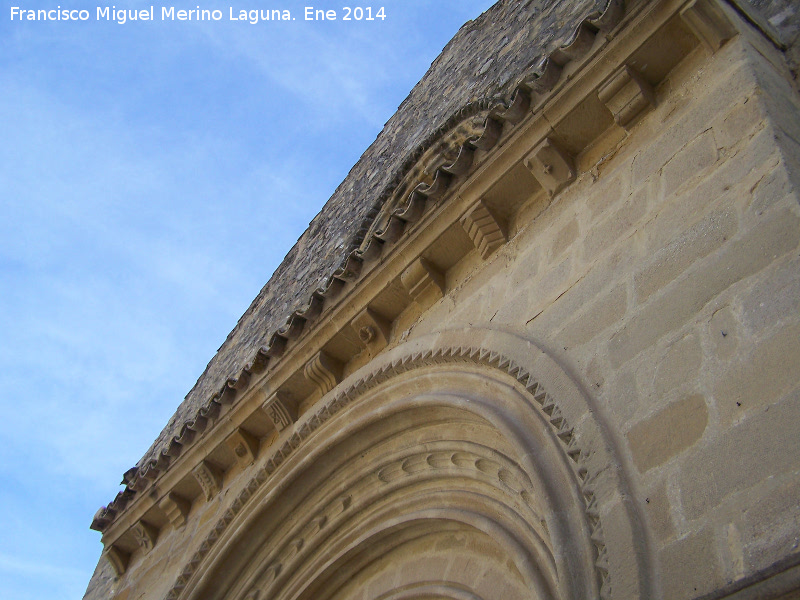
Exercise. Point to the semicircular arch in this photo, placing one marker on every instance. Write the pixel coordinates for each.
(436, 443)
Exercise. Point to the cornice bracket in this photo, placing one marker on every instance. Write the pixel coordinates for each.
(709, 23)
(176, 508)
(422, 278)
(372, 329)
(243, 445)
(627, 95)
(323, 371)
(118, 558)
(146, 535)
(209, 478)
(552, 166)
(485, 228)
(280, 409)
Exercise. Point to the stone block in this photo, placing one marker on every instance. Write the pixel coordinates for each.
(719, 187)
(684, 297)
(739, 122)
(723, 333)
(606, 193)
(690, 566)
(601, 314)
(775, 185)
(658, 509)
(776, 299)
(681, 364)
(621, 223)
(667, 433)
(765, 373)
(688, 162)
(760, 447)
(771, 526)
(697, 241)
(732, 83)
(565, 237)
(622, 395)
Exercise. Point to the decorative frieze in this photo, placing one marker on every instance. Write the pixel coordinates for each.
(209, 479)
(323, 371)
(176, 508)
(146, 535)
(627, 95)
(485, 228)
(422, 278)
(708, 22)
(243, 445)
(373, 330)
(552, 166)
(281, 410)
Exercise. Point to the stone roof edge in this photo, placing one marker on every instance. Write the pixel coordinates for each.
(539, 78)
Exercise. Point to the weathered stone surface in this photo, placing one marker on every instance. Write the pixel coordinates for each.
(672, 430)
(693, 243)
(762, 446)
(766, 372)
(600, 315)
(681, 364)
(690, 567)
(775, 300)
(774, 236)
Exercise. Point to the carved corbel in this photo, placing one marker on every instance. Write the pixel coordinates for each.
(551, 165)
(244, 446)
(176, 508)
(485, 228)
(373, 330)
(421, 278)
(708, 23)
(146, 535)
(118, 558)
(324, 372)
(209, 479)
(627, 95)
(281, 410)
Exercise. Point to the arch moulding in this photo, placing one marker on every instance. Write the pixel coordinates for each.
(474, 437)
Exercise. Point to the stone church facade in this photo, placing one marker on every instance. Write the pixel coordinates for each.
(543, 341)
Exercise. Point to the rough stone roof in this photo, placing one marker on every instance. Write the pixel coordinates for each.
(481, 63)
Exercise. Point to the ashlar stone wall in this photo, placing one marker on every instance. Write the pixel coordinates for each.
(666, 279)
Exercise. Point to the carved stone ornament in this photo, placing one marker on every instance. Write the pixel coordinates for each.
(209, 479)
(421, 279)
(485, 228)
(324, 371)
(281, 410)
(551, 165)
(627, 95)
(373, 330)
(176, 508)
(244, 446)
(709, 23)
(146, 535)
(118, 558)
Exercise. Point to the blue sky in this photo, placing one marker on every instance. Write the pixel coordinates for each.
(152, 176)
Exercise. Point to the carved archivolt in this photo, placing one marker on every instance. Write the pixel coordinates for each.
(442, 469)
